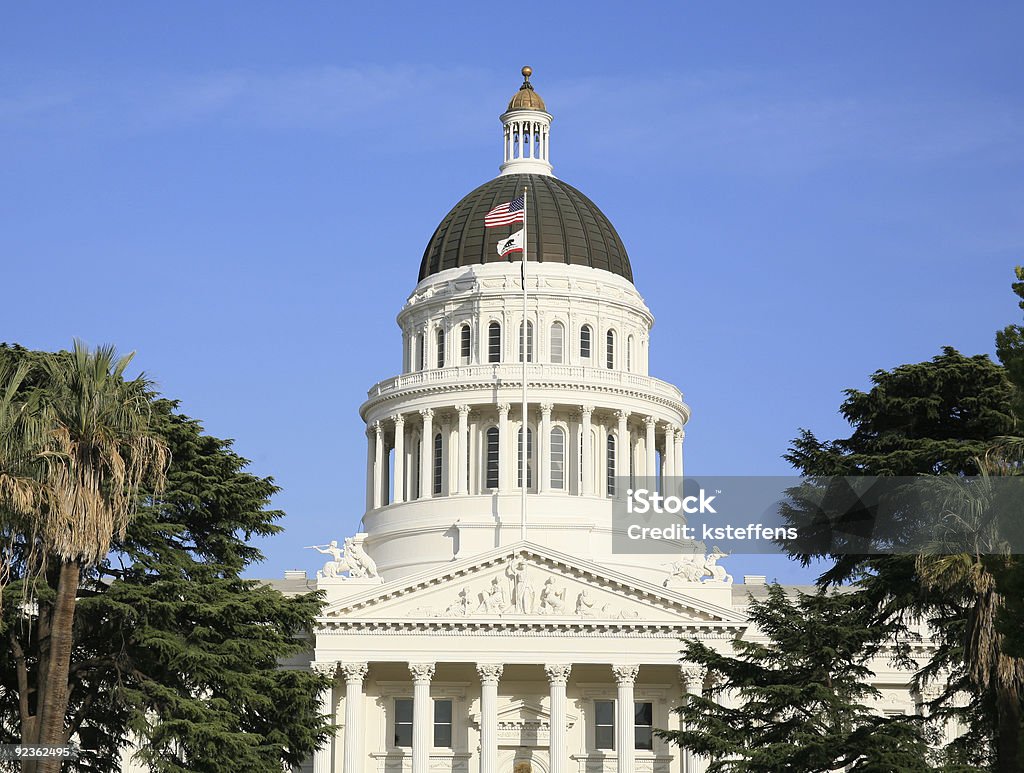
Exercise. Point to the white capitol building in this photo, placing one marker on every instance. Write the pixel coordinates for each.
(463, 637)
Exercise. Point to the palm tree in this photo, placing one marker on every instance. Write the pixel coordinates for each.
(964, 564)
(18, 490)
(98, 454)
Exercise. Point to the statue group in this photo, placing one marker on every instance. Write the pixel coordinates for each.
(351, 558)
(696, 568)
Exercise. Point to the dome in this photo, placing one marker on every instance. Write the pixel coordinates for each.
(526, 98)
(563, 225)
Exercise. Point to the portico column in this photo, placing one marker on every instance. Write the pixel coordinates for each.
(427, 455)
(324, 756)
(490, 674)
(462, 462)
(544, 445)
(503, 447)
(370, 454)
(378, 464)
(652, 457)
(558, 677)
(625, 678)
(399, 484)
(669, 467)
(622, 447)
(680, 436)
(354, 675)
(422, 722)
(587, 463)
(692, 677)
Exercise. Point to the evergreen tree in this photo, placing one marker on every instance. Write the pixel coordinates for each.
(936, 417)
(800, 701)
(173, 650)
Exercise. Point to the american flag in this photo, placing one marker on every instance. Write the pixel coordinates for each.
(505, 214)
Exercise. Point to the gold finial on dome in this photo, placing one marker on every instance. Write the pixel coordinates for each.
(526, 98)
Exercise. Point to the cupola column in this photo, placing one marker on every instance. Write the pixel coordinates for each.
(650, 469)
(526, 126)
(378, 464)
(544, 446)
(462, 460)
(587, 463)
(623, 447)
(427, 454)
(680, 436)
(370, 452)
(399, 482)
(668, 468)
(503, 447)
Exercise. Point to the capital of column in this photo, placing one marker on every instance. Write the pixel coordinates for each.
(325, 667)
(490, 673)
(622, 415)
(545, 410)
(649, 421)
(503, 409)
(625, 675)
(586, 411)
(692, 675)
(681, 434)
(378, 429)
(422, 673)
(463, 410)
(558, 673)
(399, 420)
(354, 673)
(427, 413)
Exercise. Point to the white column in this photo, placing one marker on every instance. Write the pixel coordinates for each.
(680, 437)
(369, 467)
(692, 677)
(544, 447)
(378, 464)
(399, 483)
(652, 457)
(422, 721)
(669, 466)
(324, 756)
(625, 720)
(558, 677)
(588, 452)
(623, 448)
(490, 674)
(503, 448)
(427, 455)
(462, 462)
(354, 675)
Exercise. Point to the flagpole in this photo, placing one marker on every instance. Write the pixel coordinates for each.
(526, 430)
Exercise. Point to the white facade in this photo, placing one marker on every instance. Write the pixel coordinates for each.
(463, 639)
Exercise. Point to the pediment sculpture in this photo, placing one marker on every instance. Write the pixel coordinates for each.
(347, 562)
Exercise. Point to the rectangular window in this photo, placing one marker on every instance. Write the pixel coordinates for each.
(643, 726)
(604, 724)
(585, 342)
(494, 342)
(492, 458)
(557, 343)
(464, 348)
(443, 724)
(438, 457)
(403, 722)
(557, 458)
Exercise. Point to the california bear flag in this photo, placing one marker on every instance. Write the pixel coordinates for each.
(514, 243)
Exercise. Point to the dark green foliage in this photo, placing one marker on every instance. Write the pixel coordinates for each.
(935, 417)
(931, 417)
(171, 644)
(801, 697)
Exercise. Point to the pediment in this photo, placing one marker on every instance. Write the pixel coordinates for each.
(526, 583)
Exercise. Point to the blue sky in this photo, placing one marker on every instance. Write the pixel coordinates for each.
(242, 193)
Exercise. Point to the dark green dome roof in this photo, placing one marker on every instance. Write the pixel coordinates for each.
(563, 225)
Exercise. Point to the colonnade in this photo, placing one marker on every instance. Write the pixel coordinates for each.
(421, 675)
(632, 433)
